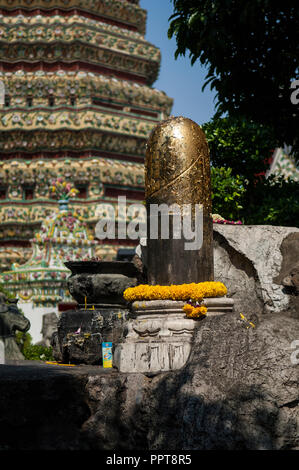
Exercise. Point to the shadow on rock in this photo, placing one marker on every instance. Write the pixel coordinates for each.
(239, 390)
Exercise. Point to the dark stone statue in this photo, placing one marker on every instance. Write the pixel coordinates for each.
(11, 320)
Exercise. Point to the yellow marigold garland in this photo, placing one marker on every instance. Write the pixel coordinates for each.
(176, 292)
(194, 312)
(193, 293)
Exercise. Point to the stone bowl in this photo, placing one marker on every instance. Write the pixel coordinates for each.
(100, 283)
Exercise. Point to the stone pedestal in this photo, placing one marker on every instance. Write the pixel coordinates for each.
(102, 315)
(81, 333)
(159, 335)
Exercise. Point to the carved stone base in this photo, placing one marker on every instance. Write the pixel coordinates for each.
(159, 335)
(80, 334)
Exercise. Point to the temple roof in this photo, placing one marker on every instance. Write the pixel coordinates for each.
(283, 164)
(95, 44)
(123, 11)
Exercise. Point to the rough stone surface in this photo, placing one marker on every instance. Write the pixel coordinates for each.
(101, 283)
(81, 333)
(252, 261)
(238, 390)
(41, 407)
(257, 263)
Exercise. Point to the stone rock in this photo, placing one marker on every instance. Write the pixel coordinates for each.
(292, 279)
(100, 283)
(237, 391)
(252, 262)
(81, 333)
(41, 408)
(98, 287)
(255, 263)
(141, 270)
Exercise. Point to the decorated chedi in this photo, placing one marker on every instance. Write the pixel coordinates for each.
(79, 104)
(179, 253)
(41, 283)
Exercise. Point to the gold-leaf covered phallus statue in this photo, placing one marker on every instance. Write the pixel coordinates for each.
(177, 172)
(177, 165)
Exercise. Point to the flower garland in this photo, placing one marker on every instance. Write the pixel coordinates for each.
(192, 293)
(195, 311)
(217, 219)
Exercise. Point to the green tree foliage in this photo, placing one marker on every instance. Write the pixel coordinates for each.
(239, 144)
(23, 340)
(237, 149)
(251, 51)
(32, 352)
(36, 352)
(227, 193)
(8, 294)
(274, 201)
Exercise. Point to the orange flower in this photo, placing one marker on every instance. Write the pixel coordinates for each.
(194, 312)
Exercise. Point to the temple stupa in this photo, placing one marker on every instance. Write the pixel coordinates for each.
(40, 283)
(79, 104)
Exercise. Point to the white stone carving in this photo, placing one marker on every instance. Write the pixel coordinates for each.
(159, 335)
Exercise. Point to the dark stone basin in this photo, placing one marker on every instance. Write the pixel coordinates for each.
(125, 268)
(100, 283)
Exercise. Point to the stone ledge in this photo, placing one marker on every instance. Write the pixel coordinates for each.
(215, 306)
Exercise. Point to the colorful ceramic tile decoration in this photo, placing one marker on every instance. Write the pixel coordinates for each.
(79, 104)
(283, 164)
(63, 236)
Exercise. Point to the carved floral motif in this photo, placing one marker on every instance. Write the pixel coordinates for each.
(67, 30)
(84, 86)
(82, 118)
(91, 171)
(90, 139)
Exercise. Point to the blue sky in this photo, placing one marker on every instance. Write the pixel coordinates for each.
(177, 78)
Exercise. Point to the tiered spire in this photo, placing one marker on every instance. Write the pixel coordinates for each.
(42, 280)
(78, 104)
